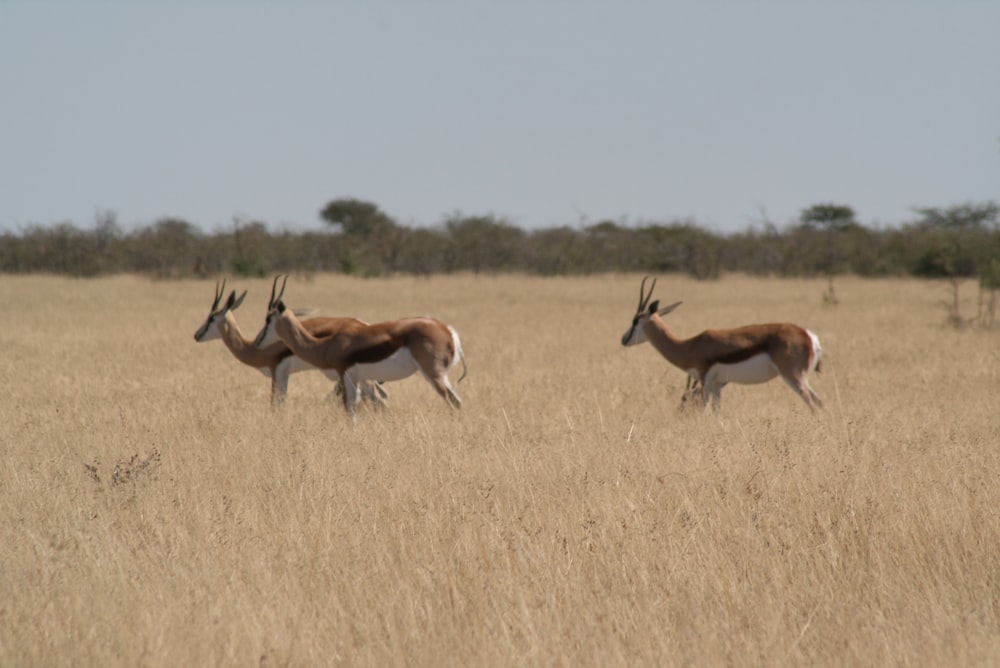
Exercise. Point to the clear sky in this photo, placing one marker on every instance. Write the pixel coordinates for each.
(541, 112)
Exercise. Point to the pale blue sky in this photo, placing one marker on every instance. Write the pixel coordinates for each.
(541, 112)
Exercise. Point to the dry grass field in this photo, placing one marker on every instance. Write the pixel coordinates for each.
(155, 511)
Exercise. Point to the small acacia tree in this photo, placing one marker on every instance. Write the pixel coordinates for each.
(959, 243)
(373, 240)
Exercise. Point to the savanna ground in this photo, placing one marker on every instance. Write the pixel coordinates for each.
(155, 511)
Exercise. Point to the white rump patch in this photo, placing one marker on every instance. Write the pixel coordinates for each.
(817, 351)
(458, 346)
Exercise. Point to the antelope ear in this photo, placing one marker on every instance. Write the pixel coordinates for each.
(304, 312)
(239, 300)
(652, 307)
(666, 309)
(280, 306)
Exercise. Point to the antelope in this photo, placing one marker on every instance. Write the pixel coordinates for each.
(390, 350)
(275, 361)
(745, 355)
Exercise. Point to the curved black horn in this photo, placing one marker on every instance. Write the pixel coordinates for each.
(644, 296)
(219, 290)
(274, 287)
(274, 299)
(284, 281)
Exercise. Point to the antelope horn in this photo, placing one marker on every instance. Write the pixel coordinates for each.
(274, 287)
(643, 296)
(219, 290)
(270, 300)
(274, 299)
(284, 281)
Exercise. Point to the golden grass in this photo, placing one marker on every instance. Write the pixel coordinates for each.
(155, 511)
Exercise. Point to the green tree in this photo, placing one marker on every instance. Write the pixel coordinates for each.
(252, 242)
(559, 251)
(961, 217)
(484, 244)
(826, 236)
(611, 247)
(66, 249)
(679, 246)
(828, 216)
(374, 241)
(957, 242)
(167, 249)
(424, 251)
(357, 218)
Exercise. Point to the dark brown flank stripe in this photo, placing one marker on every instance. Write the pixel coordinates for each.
(375, 353)
(737, 356)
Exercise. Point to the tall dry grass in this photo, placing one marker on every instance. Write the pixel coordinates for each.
(155, 511)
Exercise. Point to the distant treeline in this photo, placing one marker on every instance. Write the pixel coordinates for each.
(958, 242)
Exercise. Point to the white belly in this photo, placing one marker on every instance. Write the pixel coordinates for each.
(297, 364)
(397, 366)
(293, 364)
(757, 369)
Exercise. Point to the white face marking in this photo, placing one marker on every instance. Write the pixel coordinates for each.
(267, 335)
(209, 331)
(757, 369)
(634, 335)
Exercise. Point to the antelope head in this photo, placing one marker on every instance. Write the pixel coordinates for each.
(275, 308)
(636, 332)
(210, 330)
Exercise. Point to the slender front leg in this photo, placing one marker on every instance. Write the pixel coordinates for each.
(350, 392)
(370, 392)
(712, 392)
(692, 391)
(279, 383)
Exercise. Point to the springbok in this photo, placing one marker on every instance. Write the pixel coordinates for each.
(745, 355)
(275, 361)
(390, 350)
